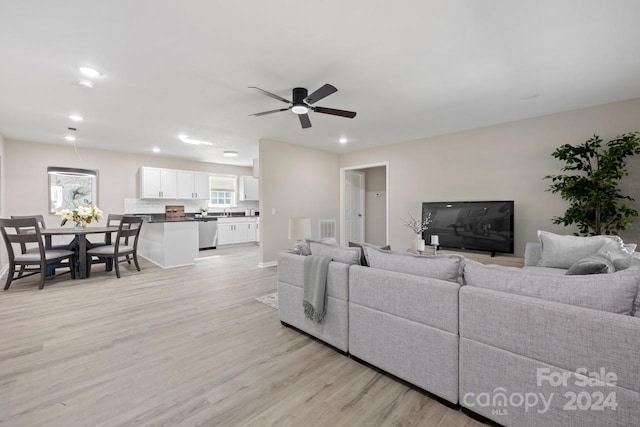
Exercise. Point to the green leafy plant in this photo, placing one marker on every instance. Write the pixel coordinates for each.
(597, 205)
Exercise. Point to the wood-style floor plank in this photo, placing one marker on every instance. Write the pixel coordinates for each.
(183, 347)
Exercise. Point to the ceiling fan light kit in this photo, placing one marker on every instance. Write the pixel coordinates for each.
(302, 101)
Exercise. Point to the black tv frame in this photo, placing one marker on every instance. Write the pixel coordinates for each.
(479, 231)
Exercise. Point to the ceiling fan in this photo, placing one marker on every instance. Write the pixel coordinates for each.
(301, 104)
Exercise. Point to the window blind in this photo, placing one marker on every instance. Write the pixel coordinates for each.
(223, 183)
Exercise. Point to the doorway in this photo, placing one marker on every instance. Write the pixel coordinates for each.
(364, 204)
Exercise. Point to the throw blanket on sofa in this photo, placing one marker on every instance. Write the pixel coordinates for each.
(316, 268)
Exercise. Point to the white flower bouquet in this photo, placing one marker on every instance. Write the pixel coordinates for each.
(81, 215)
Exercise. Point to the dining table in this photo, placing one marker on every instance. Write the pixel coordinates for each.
(79, 244)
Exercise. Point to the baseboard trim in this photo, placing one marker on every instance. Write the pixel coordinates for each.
(268, 264)
(163, 266)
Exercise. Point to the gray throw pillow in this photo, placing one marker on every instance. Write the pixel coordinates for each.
(614, 293)
(594, 264)
(619, 254)
(563, 251)
(443, 267)
(336, 253)
(363, 255)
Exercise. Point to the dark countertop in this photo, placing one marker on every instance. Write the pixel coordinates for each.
(159, 218)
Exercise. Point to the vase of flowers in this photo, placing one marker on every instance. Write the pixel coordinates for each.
(81, 215)
(418, 227)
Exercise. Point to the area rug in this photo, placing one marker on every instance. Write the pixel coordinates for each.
(271, 300)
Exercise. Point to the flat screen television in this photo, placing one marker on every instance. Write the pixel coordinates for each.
(478, 226)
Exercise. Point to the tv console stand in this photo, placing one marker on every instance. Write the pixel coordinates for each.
(487, 258)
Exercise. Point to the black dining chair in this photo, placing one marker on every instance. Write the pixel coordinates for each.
(23, 232)
(71, 246)
(129, 228)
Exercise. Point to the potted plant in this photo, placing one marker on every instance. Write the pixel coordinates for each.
(592, 186)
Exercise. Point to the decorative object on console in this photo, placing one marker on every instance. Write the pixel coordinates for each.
(435, 241)
(596, 203)
(418, 227)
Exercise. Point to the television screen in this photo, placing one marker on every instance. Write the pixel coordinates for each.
(480, 226)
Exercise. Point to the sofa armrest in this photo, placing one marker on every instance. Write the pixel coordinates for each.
(532, 254)
(291, 271)
(557, 334)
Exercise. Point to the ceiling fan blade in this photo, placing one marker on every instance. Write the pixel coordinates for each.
(272, 95)
(304, 121)
(264, 113)
(323, 92)
(334, 112)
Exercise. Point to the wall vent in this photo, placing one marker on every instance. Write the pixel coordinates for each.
(327, 228)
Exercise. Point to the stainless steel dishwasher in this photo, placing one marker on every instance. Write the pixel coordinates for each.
(207, 233)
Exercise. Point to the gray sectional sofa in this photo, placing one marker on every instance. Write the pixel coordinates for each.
(518, 346)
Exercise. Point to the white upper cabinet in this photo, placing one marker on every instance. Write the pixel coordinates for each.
(249, 188)
(193, 185)
(156, 183)
(201, 185)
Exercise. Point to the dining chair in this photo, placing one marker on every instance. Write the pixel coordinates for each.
(43, 226)
(34, 249)
(23, 231)
(113, 220)
(129, 228)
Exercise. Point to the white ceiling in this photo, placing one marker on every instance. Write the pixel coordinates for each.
(410, 69)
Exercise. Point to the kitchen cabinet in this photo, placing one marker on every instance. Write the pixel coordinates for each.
(236, 230)
(249, 188)
(156, 183)
(192, 185)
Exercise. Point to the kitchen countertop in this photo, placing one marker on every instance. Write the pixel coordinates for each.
(159, 218)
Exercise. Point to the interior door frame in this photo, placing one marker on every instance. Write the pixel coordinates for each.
(343, 241)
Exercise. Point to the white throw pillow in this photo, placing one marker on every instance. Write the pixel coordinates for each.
(563, 251)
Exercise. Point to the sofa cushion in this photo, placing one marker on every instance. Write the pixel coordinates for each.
(336, 253)
(563, 251)
(606, 292)
(443, 267)
(594, 264)
(363, 253)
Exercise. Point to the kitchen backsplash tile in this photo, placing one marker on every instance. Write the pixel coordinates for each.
(151, 206)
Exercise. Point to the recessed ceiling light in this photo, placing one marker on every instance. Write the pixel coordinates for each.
(89, 72)
(70, 138)
(76, 117)
(155, 149)
(185, 138)
(343, 140)
(230, 153)
(86, 83)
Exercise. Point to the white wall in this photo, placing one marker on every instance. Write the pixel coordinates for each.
(502, 162)
(3, 251)
(26, 180)
(295, 181)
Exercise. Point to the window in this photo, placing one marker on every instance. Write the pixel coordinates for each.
(222, 191)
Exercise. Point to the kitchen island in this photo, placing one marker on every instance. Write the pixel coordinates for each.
(169, 243)
(173, 242)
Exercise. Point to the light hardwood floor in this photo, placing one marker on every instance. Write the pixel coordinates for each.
(182, 347)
